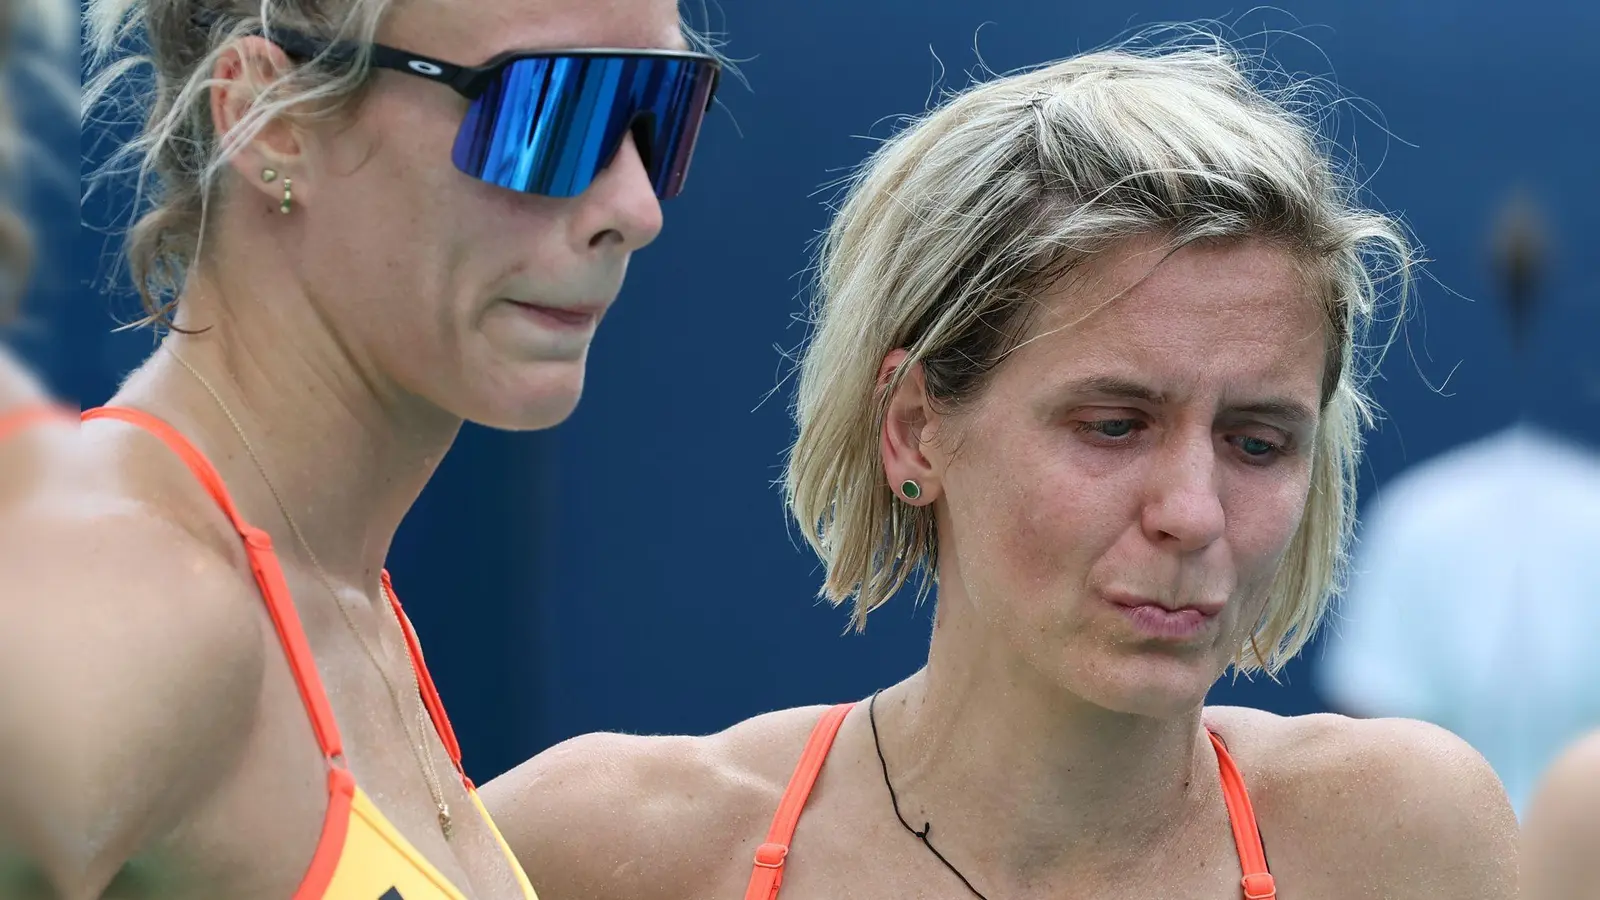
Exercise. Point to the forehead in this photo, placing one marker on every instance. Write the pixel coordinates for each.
(472, 31)
(1241, 314)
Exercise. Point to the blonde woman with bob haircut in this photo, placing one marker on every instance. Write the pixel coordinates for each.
(367, 222)
(1087, 354)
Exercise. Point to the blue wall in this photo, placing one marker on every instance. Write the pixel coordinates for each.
(633, 569)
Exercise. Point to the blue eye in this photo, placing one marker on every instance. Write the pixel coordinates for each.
(1109, 428)
(1256, 446)
(1258, 449)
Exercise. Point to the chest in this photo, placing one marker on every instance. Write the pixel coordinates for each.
(255, 834)
(861, 856)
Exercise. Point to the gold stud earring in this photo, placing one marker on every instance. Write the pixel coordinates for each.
(288, 196)
(269, 175)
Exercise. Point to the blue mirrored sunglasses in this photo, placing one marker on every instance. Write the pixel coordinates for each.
(549, 123)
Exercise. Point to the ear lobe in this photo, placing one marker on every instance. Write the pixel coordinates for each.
(906, 421)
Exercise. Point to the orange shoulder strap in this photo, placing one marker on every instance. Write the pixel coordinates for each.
(263, 564)
(1258, 883)
(770, 856)
(430, 694)
(25, 417)
(767, 876)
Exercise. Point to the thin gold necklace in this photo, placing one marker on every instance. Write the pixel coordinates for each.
(418, 747)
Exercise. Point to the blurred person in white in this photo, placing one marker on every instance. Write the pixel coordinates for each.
(1474, 601)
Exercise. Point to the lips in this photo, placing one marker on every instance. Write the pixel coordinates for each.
(572, 316)
(1134, 601)
(1165, 621)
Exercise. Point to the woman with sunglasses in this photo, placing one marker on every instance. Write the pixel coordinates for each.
(1089, 354)
(362, 234)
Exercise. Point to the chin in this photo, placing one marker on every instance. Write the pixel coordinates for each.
(537, 416)
(535, 413)
(543, 396)
(1158, 686)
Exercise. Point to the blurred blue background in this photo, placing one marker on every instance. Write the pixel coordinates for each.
(634, 570)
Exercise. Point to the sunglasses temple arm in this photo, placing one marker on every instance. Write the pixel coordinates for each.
(462, 79)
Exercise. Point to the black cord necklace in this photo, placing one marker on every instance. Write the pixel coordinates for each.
(872, 716)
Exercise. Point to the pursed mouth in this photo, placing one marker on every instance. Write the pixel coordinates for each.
(1132, 601)
(572, 317)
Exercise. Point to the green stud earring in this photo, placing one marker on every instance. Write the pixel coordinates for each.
(910, 489)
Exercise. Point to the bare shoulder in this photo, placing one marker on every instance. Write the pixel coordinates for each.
(133, 657)
(1387, 806)
(1562, 828)
(1570, 790)
(607, 815)
(30, 450)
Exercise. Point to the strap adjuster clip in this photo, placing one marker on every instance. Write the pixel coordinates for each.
(771, 856)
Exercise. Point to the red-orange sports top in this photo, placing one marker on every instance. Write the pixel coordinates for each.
(771, 856)
(361, 855)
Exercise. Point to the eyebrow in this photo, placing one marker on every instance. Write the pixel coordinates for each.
(1290, 412)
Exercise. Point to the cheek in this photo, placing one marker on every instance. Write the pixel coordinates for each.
(382, 247)
(1026, 522)
(1266, 514)
(394, 170)
(397, 187)
(1263, 521)
(380, 189)
(396, 208)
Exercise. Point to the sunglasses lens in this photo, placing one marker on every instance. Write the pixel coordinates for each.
(550, 125)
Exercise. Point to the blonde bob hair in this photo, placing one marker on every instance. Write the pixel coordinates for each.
(948, 230)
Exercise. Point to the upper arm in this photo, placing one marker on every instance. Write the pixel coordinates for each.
(1426, 814)
(608, 815)
(559, 814)
(1561, 837)
(132, 661)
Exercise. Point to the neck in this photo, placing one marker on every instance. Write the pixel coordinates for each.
(1025, 780)
(347, 451)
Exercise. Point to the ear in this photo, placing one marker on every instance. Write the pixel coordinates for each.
(244, 70)
(908, 427)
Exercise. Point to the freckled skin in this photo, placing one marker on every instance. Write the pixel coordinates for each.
(350, 339)
(438, 247)
(1055, 749)
(1051, 496)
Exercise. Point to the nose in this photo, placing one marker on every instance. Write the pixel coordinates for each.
(1183, 505)
(620, 209)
